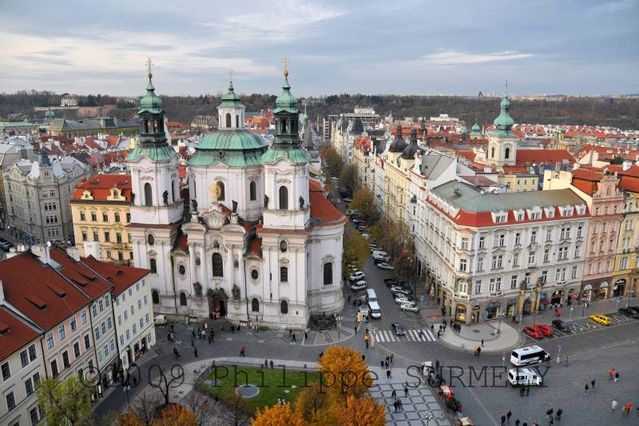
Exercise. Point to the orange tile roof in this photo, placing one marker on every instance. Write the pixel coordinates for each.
(113, 140)
(43, 295)
(83, 278)
(322, 210)
(14, 333)
(120, 276)
(543, 156)
(101, 185)
(586, 179)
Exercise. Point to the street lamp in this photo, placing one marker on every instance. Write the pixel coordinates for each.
(631, 294)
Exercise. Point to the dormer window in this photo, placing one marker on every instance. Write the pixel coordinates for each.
(500, 217)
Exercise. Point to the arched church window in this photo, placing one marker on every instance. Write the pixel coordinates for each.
(173, 191)
(182, 298)
(283, 126)
(283, 198)
(153, 266)
(252, 191)
(220, 191)
(328, 273)
(284, 274)
(148, 195)
(255, 305)
(228, 120)
(237, 121)
(492, 152)
(284, 307)
(146, 126)
(155, 296)
(218, 265)
(507, 153)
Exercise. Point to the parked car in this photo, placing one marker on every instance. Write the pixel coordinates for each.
(601, 319)
(385, 266)
(532, 333)
(400, 299)
(634, 308)
(398, 329)
(398, 289)
(544, 329)
(357, 276)
(562, 325)
(347, 200)
(364, 310)
(160, 320)
(359, 285)
(629, 312)
(390, 282)
(524, 377)
(409, 307)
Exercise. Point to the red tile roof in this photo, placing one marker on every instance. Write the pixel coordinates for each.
(322, 210)
(14, 333)
(84, 279)
(113, 140)
(120, 276)
(36, 290)
(543, 156)
(101, 185)
(586, 179)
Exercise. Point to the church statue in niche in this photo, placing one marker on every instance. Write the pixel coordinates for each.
(234, 206)
(265, 201)
(194, 204)
(165, 197)
(236, 292)
(301, 200)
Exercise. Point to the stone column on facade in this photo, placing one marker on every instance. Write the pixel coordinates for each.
(204, 269)
(193, 274)
(537, 298)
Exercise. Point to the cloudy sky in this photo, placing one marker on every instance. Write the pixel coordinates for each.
(348, 46)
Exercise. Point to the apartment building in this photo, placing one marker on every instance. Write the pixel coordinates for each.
(492, 255)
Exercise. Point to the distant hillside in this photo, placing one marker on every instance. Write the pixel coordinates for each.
(605, 111)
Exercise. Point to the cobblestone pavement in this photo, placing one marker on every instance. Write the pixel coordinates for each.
(420, 407)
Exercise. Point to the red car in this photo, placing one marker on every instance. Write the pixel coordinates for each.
(533, 333)
(544, 329)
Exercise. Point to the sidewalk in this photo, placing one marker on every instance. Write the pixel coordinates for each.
(496, 337)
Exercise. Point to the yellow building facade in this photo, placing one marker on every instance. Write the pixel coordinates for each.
(100, 208)
(625, 277)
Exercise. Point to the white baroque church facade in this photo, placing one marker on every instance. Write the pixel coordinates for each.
(258, 240)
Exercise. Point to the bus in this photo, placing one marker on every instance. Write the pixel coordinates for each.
(529, 355)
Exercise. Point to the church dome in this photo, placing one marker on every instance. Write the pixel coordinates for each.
(475, 128)
(504, 122)
(409, 152)
(230, 99)
(398, 144)
(151, 102)
(231, 140)
(286, 101)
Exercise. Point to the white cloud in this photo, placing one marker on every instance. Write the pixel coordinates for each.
(452, 57)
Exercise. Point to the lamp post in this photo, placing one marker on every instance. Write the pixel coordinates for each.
(631, 294)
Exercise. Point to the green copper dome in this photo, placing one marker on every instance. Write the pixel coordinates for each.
(286, 101)
(475, 130)
(230, 99)
(504, 122)
(231, 140)
(151, 102)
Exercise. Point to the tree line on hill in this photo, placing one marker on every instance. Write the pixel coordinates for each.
(604, 111)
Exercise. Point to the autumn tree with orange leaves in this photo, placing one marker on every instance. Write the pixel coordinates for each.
(343, 372)
(277, 415)
(361, 412)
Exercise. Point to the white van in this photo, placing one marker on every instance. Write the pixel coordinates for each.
(528, 355)
(371, 296)
(524, 377)
(375, 310)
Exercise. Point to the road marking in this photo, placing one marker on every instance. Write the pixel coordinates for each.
(422, 335)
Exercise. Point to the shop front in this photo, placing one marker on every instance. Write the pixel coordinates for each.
(556, 297)
(460, 313)
(492, 310)
(619, 288)
(597, 289)
(476, 314)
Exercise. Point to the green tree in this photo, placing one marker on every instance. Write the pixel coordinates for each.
(348, 178)
(364, 203)
(332, 160)
(65, 402)
(355, 251)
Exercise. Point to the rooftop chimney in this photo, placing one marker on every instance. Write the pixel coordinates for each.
(74, 252)
(626, 165)
(92, 248)
(42, 251)
(1, 293)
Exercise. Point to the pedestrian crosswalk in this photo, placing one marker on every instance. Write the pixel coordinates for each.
(411, 336)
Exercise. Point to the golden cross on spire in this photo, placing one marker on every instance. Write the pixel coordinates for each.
(285, 62)
(149, 64)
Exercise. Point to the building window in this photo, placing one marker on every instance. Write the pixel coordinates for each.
(531, 257)
(182, 299)
(74, 325)
(76, 349)
(252, 191)
(105, 217)
(255, 305)
(501, 240)
(482, 242)
(463, 263)
(533, 237)
(477, 286)
(84, 235)
(284, 274)
(61, 332)
(34, 416)
(87, 341)
(464, 243)
(283, 307)
(94, 217)
(228, 120)
(155, 297)
(32, 353)
(497, 262)
(546, 255)
(11, 401)
(283, 193)
(480, 264)
(328, 273)
(117, 217)
(218, 267)
(513, 282)
(6, 371)
(24, 358)
(153, 266)
(54, 368)
(150, 239)
(148, 195)
(82, 217)
(574, 272)
(544, 277)
(254, 274)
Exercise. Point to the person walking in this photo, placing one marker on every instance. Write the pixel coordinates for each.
(611, 374)
(559, 413)
(294, 338)
(195, 352)
(586, 388)
(381, 363)
(508, 415)
(503, 420)
(394, 394)
(305, 335)
(388, 374)
(406, 390)
(517, 422)
(390, 357)
(366, 340)
(566, 361)
(627, 408)
(613, 405)
(482, 343)
(616, 376)
(592, 384)
(243, 351)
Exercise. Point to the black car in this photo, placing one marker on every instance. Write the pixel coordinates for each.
(634, 309)
(632, 313)
(390, 282)
(399, 329)
(562, 325)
